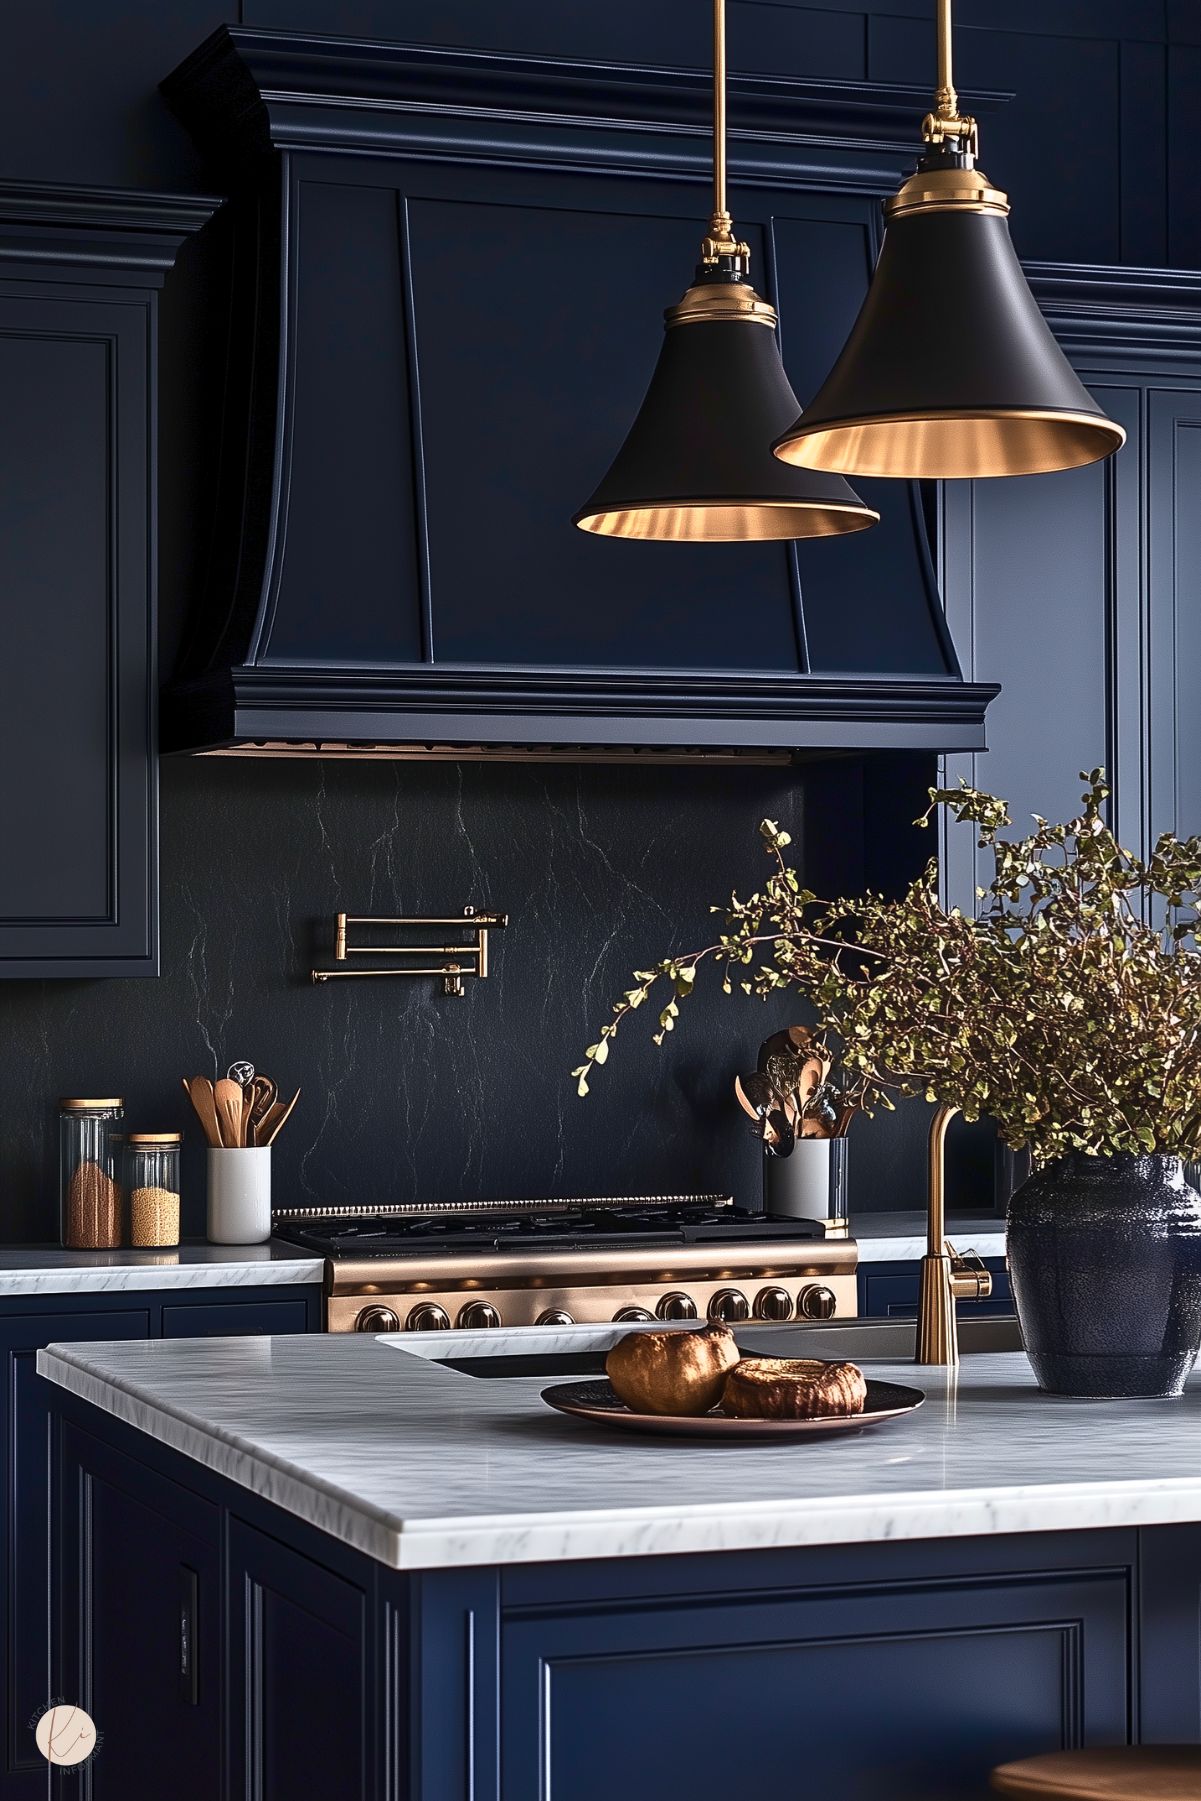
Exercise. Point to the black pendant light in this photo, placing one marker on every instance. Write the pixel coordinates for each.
(950, 368)
(697, 465)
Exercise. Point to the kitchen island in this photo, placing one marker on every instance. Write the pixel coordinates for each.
(337, 1565)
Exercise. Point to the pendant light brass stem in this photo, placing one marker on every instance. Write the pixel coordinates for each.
(721, 240)
(719, 109)
(946, 99)
(944, 124)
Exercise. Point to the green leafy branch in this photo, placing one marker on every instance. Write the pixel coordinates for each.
(1068, 1010)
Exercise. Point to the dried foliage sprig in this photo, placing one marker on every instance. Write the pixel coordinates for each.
(1068, 1010)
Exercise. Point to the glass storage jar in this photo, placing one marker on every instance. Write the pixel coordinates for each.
(152, 1188)
(89, 1198)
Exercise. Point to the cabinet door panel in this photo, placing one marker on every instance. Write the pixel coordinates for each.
(1174, 589)
(140, 1623)
(1042, 582)
(78, 890)
(932, 1686)
(299, 1670)
(25, 1573)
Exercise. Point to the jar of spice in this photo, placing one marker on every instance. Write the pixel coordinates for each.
(89, 1197)
(152, 1188)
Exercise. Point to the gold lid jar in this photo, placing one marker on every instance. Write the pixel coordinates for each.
(89, 1196)
(152, 1191)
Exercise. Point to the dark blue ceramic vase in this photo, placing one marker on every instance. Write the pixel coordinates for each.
(1105, 1260)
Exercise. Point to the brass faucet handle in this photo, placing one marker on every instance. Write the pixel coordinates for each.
(970, 1281)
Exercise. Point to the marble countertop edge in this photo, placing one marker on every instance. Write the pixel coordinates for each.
(776, 1525)
(27, 1270)
(344, 1516)
(646, 1529)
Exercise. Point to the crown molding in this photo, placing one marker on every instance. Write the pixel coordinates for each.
(244, 93)
(112, 229)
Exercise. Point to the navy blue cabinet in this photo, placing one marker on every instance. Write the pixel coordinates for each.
(851, 1672)
(1078, 591)
(26, 1519)
(27, 1324)
(148, 1567)
(79, 275)
(297, 1634)
(845, 1676)
(890, 1291)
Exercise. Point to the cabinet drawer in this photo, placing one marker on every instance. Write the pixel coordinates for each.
(889, 1293)
(228, 1319)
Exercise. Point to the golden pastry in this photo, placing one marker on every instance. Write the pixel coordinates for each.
(672, 1372)
(793, 1388)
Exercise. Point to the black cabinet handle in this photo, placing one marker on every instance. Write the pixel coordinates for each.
(188, 1674)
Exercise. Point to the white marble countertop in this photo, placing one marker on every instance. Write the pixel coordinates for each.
(421, 1466)
(901, 1237)
(46, 1269)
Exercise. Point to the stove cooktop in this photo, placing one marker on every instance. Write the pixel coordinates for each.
(564, 1225)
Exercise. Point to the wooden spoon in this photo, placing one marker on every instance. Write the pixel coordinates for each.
(228, 1097)
(275, 1120)
(199, 1091)
(263, 1095)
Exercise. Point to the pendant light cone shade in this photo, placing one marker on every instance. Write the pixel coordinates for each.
(697, 464)
(950, 368)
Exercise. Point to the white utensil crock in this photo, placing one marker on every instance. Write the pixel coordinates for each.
(809, 1184)
(239, 1210)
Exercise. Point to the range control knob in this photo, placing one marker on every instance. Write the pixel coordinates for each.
(555, 1316)
(377, 1319)
(427, 1318)
(728, 1306)
(773, 1303)
(816, 1302)
(478, 1316)
(632, 1315)
(675, 1304)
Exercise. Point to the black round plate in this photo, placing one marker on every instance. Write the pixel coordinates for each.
(597, 1401)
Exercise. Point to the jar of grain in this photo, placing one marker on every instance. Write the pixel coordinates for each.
(89, 1195)
(152, 1188)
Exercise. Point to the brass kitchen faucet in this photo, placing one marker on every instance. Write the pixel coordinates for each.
(947, 1277)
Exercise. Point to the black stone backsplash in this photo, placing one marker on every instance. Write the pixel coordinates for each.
(408, 1094)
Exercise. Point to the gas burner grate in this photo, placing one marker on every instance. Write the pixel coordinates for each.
(465, 1210)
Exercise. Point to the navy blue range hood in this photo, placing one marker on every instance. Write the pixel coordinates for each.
(445, 270)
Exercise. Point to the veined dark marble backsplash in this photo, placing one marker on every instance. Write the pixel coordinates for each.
(408, 1094)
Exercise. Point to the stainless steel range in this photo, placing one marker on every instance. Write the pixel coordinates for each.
(570, 1261)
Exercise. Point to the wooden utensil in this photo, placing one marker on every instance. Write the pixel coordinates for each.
(263, 1094)
(756, 1096)
(228, 1098)
(275, 1120)
(810, 1078)
(778, 1134)
(199, 1091)
(792, 1041)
